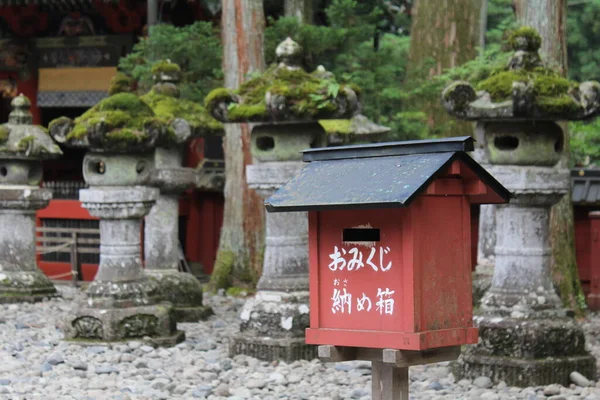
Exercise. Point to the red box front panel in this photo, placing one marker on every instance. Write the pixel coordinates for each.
(361, 284)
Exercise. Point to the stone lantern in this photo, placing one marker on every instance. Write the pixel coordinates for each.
(23, 146)
(526, 337)
(121, 133)
(287, 102)
(161, 230)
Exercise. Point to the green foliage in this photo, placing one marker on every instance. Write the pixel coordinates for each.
(585, 143)
(195, 48)
(501, 19)
(583, 29)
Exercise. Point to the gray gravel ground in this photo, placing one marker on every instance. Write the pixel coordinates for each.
(36, 364)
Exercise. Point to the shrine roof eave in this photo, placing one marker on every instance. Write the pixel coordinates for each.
(392, 178)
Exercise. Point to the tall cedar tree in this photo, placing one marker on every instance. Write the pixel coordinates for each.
(301, 9)
(241, 245)
(549, 18)
(444, 34)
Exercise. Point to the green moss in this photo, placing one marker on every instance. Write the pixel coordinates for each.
(245, 112)
(25, 143)
(124, 116)
(306, 95)
(235, 291)
(120, 83)
(560, 105)
(218, 95)
(525, 38)
(339, 126)
(4, 134)
(545, 83)
(61, 121)
(165, 67)
(127, 102)
(221, 275)
(169, 108)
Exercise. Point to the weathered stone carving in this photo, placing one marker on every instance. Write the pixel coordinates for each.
(22, 148)
(526, 336)
(121, 133)
(139, 325)
(525, 88)
(88, 328)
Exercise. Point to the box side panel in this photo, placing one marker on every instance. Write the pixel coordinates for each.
(361, 280)
(444, 262)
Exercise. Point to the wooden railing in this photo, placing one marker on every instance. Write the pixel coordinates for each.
(71, 241)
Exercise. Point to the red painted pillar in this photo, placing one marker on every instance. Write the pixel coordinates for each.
(593, 298)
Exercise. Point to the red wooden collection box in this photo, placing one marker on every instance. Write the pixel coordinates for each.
(390, 241)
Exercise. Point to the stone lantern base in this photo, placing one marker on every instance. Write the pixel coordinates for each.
(274, 321)
(182, 290)
(272, 328)
(122, 303)
(154, 324)
(25, 286)
(20, 278)
(523, 353)
(526, 337)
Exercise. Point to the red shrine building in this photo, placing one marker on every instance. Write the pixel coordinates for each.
(62, 55)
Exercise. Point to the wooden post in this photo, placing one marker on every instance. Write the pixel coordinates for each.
(389, 366)
(389, 382)
(74, 260)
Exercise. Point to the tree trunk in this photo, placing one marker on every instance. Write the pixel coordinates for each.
(301, 9)
(444, 34)
(549, 18)
(239, 259)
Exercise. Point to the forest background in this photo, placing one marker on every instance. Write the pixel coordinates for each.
(369, 43)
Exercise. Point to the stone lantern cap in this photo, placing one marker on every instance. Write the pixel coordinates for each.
(523, 89)
(164, 99)
(285, 93)
(357, 128)
(20, 139)
(121, 123)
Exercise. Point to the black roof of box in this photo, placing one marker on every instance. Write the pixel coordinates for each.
(378, 175)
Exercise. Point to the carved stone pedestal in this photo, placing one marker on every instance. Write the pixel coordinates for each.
(526, 337)
(122, 302)
(20, 278)
(161, 237)
(273, 322)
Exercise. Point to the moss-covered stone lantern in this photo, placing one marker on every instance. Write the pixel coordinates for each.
(23, 146)
(526, 336)
(288, 103)
(121, 133)
(161, 229)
